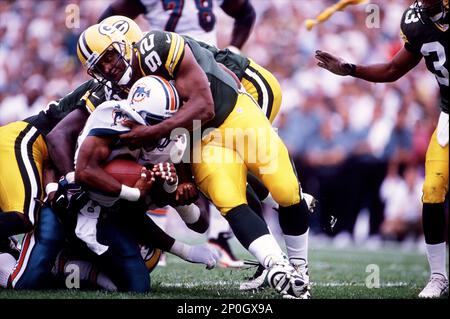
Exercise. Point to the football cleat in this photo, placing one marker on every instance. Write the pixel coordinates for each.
(257, 282)
(436, 287)
(301, 266)
(226, 256)
(305, 295)
(283, 277)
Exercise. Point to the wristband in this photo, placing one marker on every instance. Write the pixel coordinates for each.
(131, 194)
(51, 187)
(352, 69)
(70, 177)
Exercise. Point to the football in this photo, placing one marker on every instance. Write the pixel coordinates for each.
(125, 171)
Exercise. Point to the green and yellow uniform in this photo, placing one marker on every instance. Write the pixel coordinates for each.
(257, 81)
(224, 155)
(24, 150)
(432, 42)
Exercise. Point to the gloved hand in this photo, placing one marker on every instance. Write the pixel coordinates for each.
(68, 195)
(199, 254)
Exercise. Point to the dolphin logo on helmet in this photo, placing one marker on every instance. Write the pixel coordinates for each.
(154, 98)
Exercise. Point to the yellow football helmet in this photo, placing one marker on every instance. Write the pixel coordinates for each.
(126, 26)
(106, 53)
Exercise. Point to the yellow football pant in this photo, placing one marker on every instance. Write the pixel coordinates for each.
(23, 153)
(264, 88)
(246, 140)
(435, 186)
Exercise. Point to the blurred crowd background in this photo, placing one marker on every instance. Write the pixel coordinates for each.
(359, 147)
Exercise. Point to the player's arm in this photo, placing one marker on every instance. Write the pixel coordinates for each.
(89, 172)
(244, 18)
(152, 235)
(128, 8)
(62, 139)
(390, 71)
(193, 86)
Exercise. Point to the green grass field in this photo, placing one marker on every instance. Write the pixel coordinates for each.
(335, 274)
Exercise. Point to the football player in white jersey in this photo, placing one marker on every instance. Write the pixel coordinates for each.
(109, 237)
(195, 18)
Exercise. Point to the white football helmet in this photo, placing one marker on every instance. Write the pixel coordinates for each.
(154, 98)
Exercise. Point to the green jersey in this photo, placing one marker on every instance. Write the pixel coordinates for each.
(87, 96)
(160, 53)
(431, 41)
(235, 62)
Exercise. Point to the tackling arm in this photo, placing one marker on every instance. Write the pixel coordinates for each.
(244, 18)
(192, 84)
(93, 152)
(62, 139)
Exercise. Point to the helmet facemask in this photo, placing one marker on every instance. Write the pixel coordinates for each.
(112, 68)
(436, 12)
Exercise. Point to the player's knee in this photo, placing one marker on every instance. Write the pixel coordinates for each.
(434, 191)
(133, 276)
(286, 194)
(227, 200)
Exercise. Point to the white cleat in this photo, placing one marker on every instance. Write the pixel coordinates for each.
(257, 282)
(283, 277)
(305, 295)
(301, 266)
(436, 287)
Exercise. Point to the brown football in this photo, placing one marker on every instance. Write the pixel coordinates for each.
(125, 171)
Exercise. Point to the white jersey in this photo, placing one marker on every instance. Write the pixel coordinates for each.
(194, 18)
(106, 120)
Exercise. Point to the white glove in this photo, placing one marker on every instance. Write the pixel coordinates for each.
(199, 254)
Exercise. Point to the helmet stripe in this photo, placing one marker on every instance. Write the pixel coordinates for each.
(86, 45)
(165, 91)
(173, 101)
(84, 49)
(81, 50)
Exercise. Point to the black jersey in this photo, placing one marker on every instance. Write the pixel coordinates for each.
(88, 96)
(160, 53)
(430, 40)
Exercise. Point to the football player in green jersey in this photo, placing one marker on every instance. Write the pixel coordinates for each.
(425, 31)
(211, 98)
